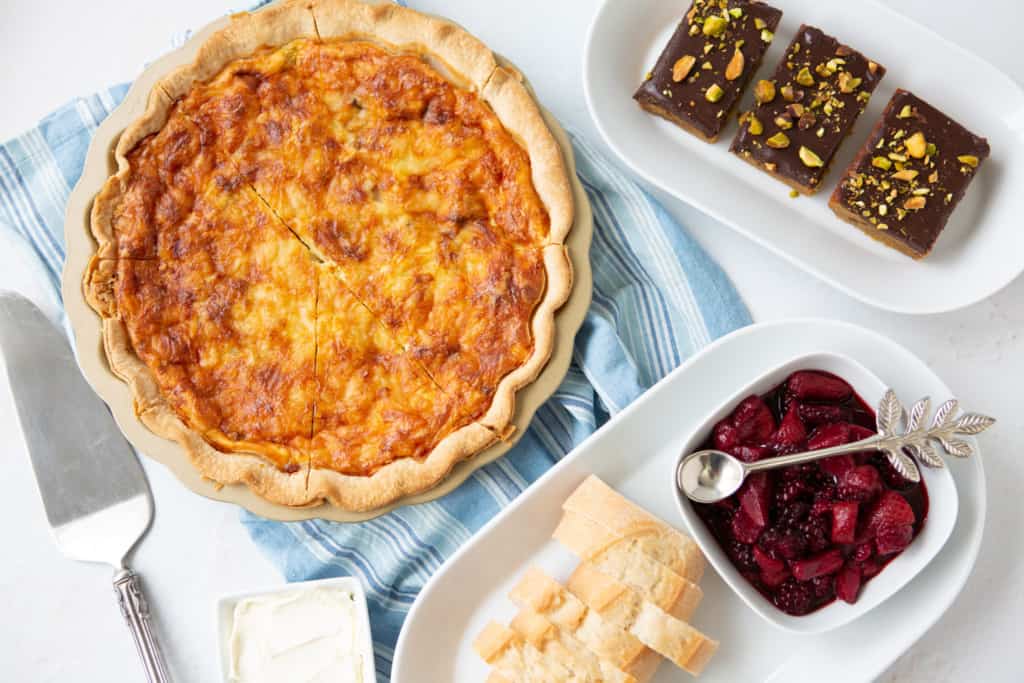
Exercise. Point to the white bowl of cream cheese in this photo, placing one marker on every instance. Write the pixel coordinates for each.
(306, 632)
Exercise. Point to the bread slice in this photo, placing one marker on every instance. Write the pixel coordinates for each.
(541, 593)
(620, 520)
(517, 661)
(544, 636)
(624, 562)
(673, 638)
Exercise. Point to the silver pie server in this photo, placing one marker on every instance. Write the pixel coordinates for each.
(93, 488)
(711, 475)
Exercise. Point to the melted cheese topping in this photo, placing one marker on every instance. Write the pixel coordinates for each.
(421, 206)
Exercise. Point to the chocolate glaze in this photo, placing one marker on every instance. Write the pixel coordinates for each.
(829, 112)
(867, 186)
(685, 102)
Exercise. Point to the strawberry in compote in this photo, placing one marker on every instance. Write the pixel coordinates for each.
(809, 534)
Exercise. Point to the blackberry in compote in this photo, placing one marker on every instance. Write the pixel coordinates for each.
(808, 534)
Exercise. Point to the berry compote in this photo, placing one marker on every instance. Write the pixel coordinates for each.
(807, 534)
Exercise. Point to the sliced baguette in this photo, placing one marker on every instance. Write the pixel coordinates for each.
(621, 519)
(673, 638)
(541, 593)
(624, 562)
(544, 636)
(517, 661)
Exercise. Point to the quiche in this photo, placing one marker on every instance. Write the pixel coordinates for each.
(332, 252)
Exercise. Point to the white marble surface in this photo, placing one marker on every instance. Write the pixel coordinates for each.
(59, 620)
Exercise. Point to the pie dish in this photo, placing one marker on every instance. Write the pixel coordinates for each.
(332, 252)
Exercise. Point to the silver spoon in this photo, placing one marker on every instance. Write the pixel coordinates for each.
(709, 476)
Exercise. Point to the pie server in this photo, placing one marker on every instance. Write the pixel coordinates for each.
(94, 491)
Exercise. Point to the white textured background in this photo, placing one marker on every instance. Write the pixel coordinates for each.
(58, 620)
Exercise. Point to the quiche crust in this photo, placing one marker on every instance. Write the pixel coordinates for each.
(461, 59)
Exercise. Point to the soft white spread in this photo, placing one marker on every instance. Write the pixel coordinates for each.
(303, 636)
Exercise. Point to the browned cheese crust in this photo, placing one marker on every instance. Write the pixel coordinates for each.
(332, 252)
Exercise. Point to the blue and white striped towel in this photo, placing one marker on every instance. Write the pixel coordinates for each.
(658, 298)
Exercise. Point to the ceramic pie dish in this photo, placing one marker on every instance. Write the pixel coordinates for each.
(275, 469)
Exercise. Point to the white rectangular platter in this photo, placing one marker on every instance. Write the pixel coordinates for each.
(634, 452)
(981, 249)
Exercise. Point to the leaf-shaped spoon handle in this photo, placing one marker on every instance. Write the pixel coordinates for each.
(919, 440)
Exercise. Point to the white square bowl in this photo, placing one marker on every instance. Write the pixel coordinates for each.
(226, 618)
(942, 506)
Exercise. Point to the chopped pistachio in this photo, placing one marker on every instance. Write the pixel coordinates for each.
(896, 157)
(921, 191)
(778, 141)
(706, 66)
(820, 132)
(882, 163)
(767, 35)
(694, 30)
(906, 174)
(916, 145)
(968, 159)
(915, 203)
(648, 76)
(755, 126)
(783, 122)
(804, 77)
(764, 91)
(714, 26)
(848, 83)
(934, 177)
(787, 93)
(883, 209)
(714, 93)
(810, 158)
(906, 112)
(735, 67)
(882, 226)
(681, 69)
(931, 150)
(759, 23)
(736, 12)
(793, 194)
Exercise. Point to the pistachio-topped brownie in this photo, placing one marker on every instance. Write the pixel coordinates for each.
(807, 109)
(910, 175)
(708, 61)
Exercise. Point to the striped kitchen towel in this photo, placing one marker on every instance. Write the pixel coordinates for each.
(657, 299)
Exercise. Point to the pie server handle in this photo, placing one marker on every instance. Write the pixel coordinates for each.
(135, 610)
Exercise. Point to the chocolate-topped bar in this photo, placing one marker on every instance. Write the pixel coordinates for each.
(707, 63)
(807, 109)
(910, 175)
